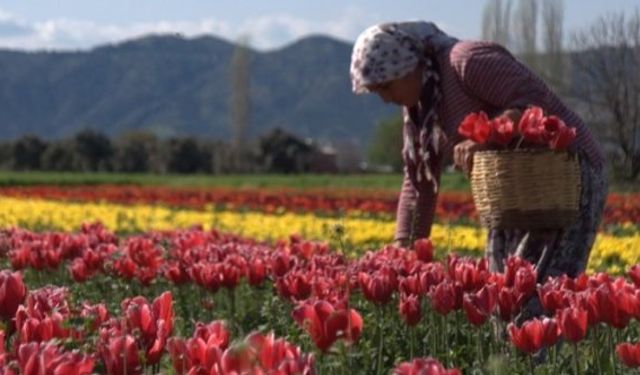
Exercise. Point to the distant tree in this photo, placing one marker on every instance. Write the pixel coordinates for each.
(184, 156)
(57, 157)
(282, 152)
(135, 152)
(27, 151)
(608, 73)
(93, 151)
(240, 101)
(525, 30)
(496, 21)
(552, 36)
(6, 155)
(386, 144)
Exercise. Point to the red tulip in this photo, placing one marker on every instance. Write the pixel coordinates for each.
(479, 306)
(96, 314)
(177, 273)
(379, 286)
(534, 334)
(531, 125)
(213, 334)
(206, 275)
(36, 359)
(257, 272)
(120, 356)
(325, 324)
(278, 355)
(472, 274)
(281, 263)
(572, 323)
(502, 130)
(634, 274)
(410, 309)
(154, 323)
(587, 302)
(552, 297)
(629, 354)
(204, 350)
(475, 126)
(563, 135)
(431, 274)
(410, 285)
(508, 306)
(79, 270)
(295, 285)
(424, 249)
(615, 307)
(446, 297)
(424, 366)
(525, 283)
(12, 294)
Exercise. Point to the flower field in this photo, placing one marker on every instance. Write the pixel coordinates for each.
(140, 280)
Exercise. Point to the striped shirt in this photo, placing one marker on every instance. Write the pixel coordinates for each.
(483, 76)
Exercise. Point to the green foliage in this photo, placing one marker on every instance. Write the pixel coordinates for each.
(386, 144)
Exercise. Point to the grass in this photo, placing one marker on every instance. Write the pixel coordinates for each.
(450, 181)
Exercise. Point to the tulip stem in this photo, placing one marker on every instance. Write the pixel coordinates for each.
(576, 360)
(594, 346)
(380, 339)
(480, 351)
(612, 350)
(412, 337)
(531, 370)
(445, 336)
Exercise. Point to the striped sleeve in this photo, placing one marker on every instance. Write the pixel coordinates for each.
(421, 204)
(489, 72)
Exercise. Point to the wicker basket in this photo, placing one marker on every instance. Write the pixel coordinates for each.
(526, 189)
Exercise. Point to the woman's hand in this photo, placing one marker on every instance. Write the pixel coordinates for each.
(463, 155)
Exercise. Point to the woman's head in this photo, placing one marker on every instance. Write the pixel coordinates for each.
(388, 59)
(403, 91)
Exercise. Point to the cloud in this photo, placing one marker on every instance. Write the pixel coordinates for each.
(11, 26)
(265, 32)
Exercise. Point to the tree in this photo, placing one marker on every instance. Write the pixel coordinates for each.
(27, 151)
(608, 80)
(525, 30)
(93, 151)
(240, 102)
(386, 145)
(284, 153)
(135, 152)
(552, 36)
(496, 21)
(57, 157)
(184, 156)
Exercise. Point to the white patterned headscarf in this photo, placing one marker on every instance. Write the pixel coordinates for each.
(389, 51)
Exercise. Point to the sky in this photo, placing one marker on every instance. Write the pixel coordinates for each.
(268, 24)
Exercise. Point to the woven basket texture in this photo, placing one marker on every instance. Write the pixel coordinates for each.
(526, 188)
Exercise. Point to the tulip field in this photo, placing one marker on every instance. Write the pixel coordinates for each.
(129, 279)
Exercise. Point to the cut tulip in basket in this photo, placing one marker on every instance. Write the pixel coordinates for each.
(527, 178)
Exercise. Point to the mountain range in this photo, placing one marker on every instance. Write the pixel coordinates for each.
(176, 86)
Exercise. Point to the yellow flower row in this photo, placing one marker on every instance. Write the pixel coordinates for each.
(358, 234)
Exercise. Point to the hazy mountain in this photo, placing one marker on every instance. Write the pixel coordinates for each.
(172, 85)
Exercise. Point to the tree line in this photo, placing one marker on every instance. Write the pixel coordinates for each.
(143, 152)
